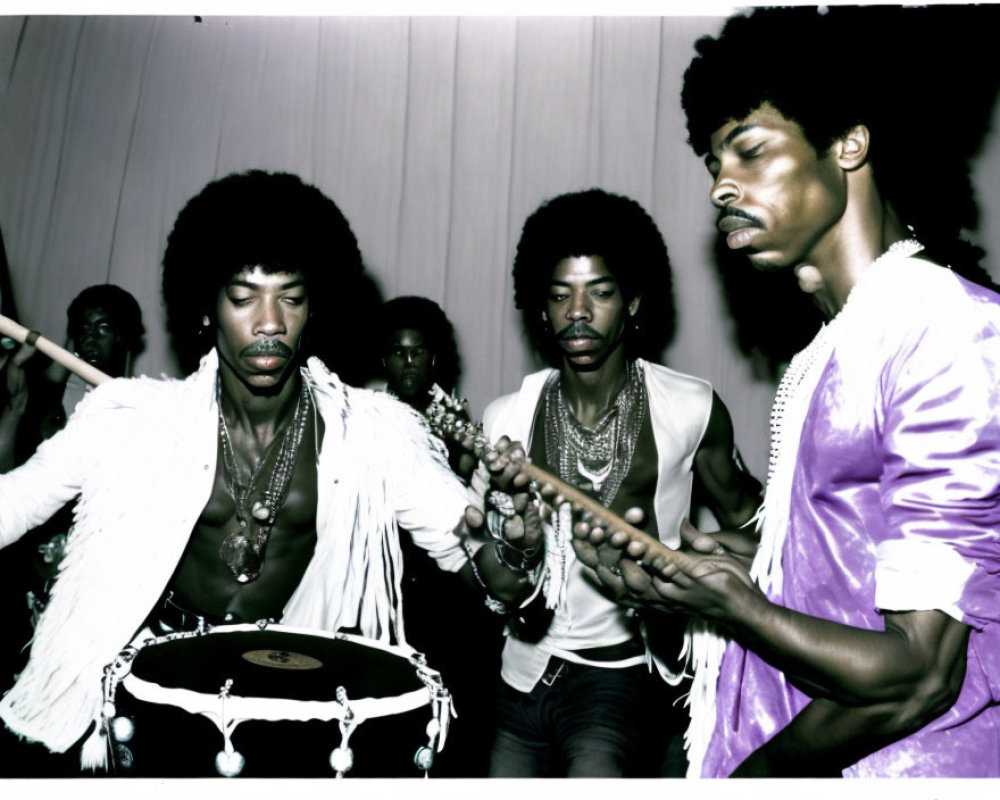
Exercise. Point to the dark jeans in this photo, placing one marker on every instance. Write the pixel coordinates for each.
(589, 722)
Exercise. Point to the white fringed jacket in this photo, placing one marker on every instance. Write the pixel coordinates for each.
(141, 454)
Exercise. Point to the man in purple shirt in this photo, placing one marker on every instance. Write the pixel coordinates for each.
(864, 639)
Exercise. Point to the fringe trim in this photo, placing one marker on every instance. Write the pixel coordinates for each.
(705, 647)
(94, 752)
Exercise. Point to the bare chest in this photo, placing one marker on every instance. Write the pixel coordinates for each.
(211, 579)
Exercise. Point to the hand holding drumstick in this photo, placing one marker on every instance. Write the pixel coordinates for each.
(628, 560)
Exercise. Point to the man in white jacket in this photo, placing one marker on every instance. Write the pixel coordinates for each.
(592, 278)
(260, 487)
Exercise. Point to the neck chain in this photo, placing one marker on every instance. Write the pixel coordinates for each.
(242, 550)
(596, 458)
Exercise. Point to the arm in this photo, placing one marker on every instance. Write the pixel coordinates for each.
(828, 736)
(870, 688)
(53, 476)
(731, 493)
(13, 410)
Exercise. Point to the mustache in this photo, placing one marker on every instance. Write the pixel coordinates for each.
(268, 347)
(579, 330)
(736, 212)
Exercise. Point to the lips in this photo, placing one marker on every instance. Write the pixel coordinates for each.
(266, 363)
(578, 342)
(740, 230)
(732, 222)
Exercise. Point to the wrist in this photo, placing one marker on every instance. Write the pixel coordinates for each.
(514, 559)
(747, 610)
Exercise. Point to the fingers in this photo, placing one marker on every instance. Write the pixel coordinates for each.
(504, 460)
(533, 531)
(474, 518)
(698, 541)
(513, 529)
(741, 542)
(635, 516)
(586, 553)
(637, 580)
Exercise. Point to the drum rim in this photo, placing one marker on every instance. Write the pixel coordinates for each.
(239, 708)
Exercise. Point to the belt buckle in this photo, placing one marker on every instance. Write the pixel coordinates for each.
(550, 674)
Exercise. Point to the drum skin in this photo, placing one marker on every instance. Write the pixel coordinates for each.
(171, 742)
(205, 663)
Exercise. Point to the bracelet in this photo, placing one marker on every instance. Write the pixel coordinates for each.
(525, 554)
(491, 602)
(525, 564)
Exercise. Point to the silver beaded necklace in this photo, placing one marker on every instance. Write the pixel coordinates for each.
(243, 551)
(598, 457)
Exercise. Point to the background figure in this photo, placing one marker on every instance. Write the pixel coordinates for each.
(445, 617)
(104, 327)
(418, 349)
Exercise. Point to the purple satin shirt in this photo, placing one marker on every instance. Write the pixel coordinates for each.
(895, 506)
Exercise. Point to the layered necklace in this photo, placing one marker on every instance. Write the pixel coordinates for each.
(595, 458)
(243, 549)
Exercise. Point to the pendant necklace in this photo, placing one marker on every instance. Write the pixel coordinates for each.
(595, 458)
(243, 549)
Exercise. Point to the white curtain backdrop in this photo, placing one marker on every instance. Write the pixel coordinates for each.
(436, 136)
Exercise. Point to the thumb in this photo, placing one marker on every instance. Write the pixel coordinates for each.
(696, 540)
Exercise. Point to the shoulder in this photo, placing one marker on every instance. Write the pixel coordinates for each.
(511, 408)
(136, 394)
(670, 377)
(904, 304)
(665, 384)
(915, 292)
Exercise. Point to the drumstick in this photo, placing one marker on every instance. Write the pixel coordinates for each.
(581, 501)
(60, 355)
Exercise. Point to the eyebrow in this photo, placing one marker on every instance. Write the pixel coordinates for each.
(252, 285)
(735, 133)
(727, 141)
(592, 282)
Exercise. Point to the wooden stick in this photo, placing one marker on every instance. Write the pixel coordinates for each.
(443, 404)
(580, 500)
(60, 355)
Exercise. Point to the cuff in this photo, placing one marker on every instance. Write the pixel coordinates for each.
(917, 575)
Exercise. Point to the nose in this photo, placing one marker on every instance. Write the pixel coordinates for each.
(579, 307)
(725, 191)
(409, 357)
(271, 319)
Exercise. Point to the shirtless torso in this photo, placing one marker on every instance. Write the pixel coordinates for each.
(205, 583)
